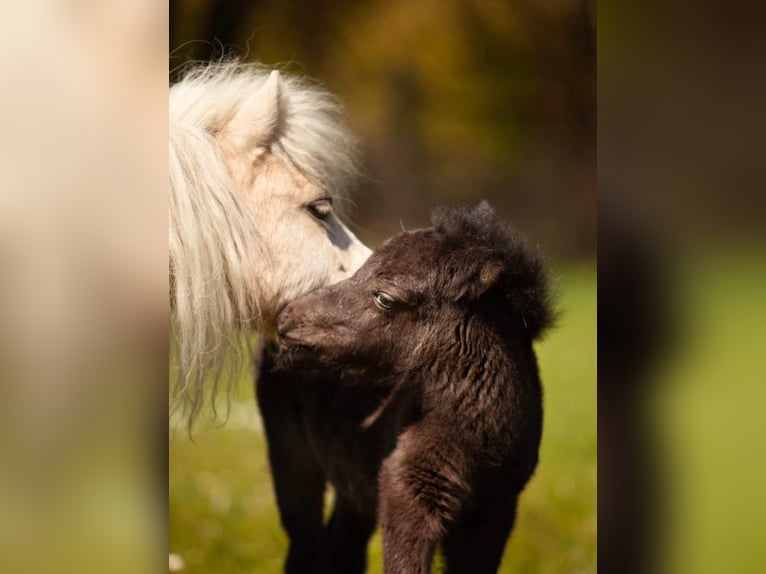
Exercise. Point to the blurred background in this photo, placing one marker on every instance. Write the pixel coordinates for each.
(682, 247)
(452, 101)
(84, 291)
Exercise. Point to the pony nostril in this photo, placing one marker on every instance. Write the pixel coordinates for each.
(342, 268)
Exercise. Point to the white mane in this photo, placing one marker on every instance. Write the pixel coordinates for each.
(215, 247)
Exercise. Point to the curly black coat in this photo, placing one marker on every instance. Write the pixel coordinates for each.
(413, 389)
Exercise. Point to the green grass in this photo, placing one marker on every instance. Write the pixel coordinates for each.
(708, 409)
(223, 518)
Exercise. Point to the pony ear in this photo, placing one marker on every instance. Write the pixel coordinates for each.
(256, 122)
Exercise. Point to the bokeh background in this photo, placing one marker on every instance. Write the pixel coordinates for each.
(452, 101)
(682, 246)
(84, 291)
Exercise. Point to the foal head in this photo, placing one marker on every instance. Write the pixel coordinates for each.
(407, 302)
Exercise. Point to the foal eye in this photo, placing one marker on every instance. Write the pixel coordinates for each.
(320, 209)
(383, 300)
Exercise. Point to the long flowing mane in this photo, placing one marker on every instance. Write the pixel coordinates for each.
(215, 247)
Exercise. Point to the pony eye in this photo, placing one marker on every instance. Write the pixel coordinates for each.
(383, 300)
(320, 209)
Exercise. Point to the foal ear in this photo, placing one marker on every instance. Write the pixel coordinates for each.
(482, 274)
(257, 121)
(484, 210)
(488, 275)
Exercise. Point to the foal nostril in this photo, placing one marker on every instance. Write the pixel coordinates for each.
(285, 321)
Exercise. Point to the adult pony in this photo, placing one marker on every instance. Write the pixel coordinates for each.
(257, 159)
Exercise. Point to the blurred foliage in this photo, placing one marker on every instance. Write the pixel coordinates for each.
(223, 516)
(452, 100)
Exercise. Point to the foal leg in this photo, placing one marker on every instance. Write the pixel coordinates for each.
(299, 482)
(347, 534)
(420, 492)
(475, 543)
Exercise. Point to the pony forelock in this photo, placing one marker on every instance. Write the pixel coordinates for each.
(215, 248)
(312, 132)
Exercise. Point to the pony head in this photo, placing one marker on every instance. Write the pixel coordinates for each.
(259, 163)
